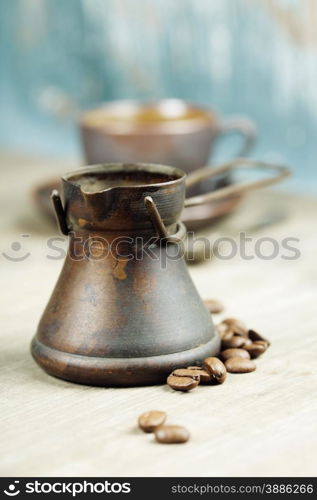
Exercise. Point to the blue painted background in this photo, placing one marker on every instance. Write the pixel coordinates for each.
(254, 57)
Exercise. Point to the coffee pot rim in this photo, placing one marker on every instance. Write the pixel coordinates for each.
(73, 175)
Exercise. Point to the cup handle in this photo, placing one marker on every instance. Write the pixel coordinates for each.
(243, 126)
(281, 172)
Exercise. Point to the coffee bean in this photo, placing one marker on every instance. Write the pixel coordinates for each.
(213, 306)
(255, 336)
(226, 331)
(232, 341)
(187, 372)
(247, 341)
(227, 336)
(256, 348)
(240, 365)
(171, 434)
(236, 326)
(149, 420)
(216, 368)
(234, 353)
(238, 333)
(205, 377)
(223, 330)
(181, 383)
(261, 342)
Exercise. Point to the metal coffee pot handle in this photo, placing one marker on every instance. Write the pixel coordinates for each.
(281, 172)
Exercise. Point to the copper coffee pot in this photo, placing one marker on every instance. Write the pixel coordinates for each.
(124, 310)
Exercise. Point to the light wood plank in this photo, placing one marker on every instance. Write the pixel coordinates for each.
(263, 423)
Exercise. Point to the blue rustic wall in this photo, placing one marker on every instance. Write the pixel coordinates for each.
(257, 57)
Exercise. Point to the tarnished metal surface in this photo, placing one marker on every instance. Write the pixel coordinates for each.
(118, 317)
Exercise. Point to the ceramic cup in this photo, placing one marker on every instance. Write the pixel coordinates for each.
(169, 131)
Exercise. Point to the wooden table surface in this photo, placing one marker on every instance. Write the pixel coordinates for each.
(257, 424)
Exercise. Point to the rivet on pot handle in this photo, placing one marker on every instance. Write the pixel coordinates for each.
(281, 172)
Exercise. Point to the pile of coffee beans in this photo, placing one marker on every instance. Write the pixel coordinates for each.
(239, 346)
(154, 421)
